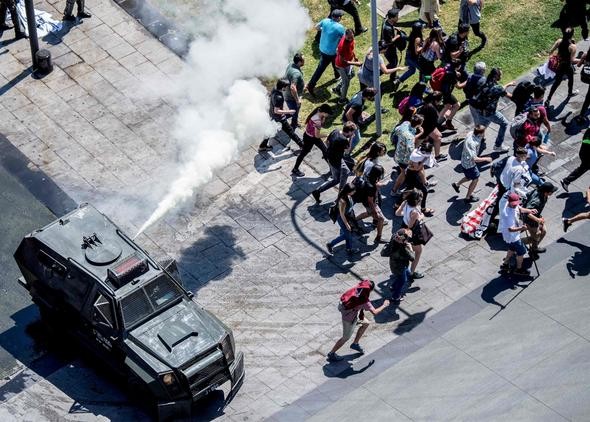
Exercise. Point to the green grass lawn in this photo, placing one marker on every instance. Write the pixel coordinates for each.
(519, 36)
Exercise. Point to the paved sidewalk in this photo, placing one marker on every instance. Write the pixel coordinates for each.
(251, 246)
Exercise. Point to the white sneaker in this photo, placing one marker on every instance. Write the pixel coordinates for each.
(501, 149)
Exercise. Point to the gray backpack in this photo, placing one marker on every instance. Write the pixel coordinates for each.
(517, 126)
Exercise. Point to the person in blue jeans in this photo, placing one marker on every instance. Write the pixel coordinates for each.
(344, 219)
(415, 43)
(331, 32)
(484, 106)
(400, 253)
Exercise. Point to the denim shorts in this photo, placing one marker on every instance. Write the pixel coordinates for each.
(517, 247)
(472, 173)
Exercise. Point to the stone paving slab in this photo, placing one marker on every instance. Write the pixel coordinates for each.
(251, 247)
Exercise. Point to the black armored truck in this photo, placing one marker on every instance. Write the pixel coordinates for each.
(88, 278)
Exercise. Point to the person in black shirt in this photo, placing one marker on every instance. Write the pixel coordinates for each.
(429, 126)
(390, 36)
(452, 78)
(457, 48)
(336, 155)
(574, 14)
(367, 193)
(349, 6)
(279, 114)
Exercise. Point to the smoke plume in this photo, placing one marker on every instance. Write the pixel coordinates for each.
(222, 105)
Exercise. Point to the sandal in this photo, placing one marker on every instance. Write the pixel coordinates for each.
(428, 212)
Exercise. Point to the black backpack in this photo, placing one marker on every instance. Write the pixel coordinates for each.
(473, 85)
(402, 41)
(523, 92)
(482, 99)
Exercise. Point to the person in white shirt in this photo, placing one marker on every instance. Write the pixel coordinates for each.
(515, 177)
(511, 227)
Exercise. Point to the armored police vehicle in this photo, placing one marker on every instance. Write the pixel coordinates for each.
(89, 278)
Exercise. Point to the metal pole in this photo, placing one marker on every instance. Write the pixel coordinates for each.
(376, 78)
(31, 24)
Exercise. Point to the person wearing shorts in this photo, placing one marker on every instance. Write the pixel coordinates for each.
(406, 134)
(352, 318)
(453, 78)
(469, 161)
(410, 212)
(511, 227)
(429, 111)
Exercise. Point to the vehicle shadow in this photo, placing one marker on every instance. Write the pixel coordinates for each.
(212, 256)
(59, 362)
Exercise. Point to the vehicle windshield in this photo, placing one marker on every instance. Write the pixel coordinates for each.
(149, 299)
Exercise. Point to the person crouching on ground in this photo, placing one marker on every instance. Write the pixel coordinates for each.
(354, 316)
(511, 228)
(401, 253)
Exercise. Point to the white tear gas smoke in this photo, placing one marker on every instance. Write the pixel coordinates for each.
(224, 106)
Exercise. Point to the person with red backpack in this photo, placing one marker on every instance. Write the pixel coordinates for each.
(526, 127)
(352, 305)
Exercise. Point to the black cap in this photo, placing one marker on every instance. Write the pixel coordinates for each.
(392, 13)
(547, 187)
(463, 28)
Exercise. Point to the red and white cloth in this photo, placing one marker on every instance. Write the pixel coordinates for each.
(476, 222)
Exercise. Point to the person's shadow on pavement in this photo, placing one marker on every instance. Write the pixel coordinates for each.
(411, 322)
(579, 263)
(497, 286)
(344, 368)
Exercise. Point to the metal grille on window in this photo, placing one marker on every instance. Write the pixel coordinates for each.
(135, 307)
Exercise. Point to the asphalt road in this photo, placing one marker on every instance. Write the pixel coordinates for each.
(22, 212)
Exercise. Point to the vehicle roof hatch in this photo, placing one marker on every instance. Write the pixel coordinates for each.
(100, 252)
